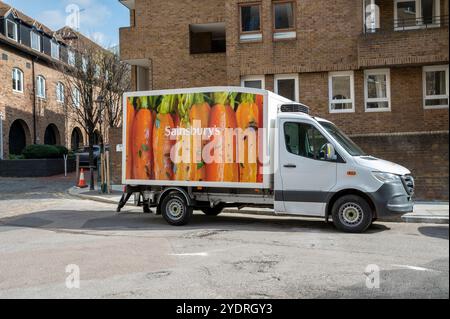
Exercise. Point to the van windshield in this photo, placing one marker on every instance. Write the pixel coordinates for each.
(342, 139)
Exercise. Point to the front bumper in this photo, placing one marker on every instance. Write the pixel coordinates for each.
(392, 199)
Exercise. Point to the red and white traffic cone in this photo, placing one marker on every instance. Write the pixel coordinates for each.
(82, 182)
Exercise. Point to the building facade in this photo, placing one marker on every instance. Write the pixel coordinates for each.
(33, 98)
(377, 68)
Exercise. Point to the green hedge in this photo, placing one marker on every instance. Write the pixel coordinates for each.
(44, 151)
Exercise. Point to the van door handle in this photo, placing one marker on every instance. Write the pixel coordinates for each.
(290, 166)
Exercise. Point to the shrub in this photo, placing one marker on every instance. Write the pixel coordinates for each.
(44, 151)
(16, 157)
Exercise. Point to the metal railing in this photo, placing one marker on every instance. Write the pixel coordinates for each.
(407, 24)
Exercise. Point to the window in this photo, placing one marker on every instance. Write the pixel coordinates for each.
(284, 20)
(413, 14)
(305, 140)
(71, 58)
(17, 80)
(287, 86)
(435, 86)
(254, 82)
(250, 22)
(207, 38)
(40, 87)
(11, 30)
(76, 97)
(377, 90)
(35, 41)
(84, 64)
(341, 92)
(60, 92)
(55, 50)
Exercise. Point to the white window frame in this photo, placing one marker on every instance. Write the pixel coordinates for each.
(260, 78)
(32, 33)
(295, 77)
(76, 97)
(16, 30)
(41, 87)
(434, 68)
(84, 64)
(332, 101)
(386, 72)
(55, 49)
(71, 58)
(419, 18)
(60, 92)
(20, 73)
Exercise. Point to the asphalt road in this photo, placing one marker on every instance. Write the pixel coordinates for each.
(132, 255)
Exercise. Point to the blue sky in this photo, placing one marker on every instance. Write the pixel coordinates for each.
(99, 19)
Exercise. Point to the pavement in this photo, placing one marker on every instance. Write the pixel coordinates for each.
(424, 212)
(51, 240)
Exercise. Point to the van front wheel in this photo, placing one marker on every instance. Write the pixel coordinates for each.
(352, 214)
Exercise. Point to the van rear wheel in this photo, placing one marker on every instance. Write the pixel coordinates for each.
(352, 214)
(175, 209)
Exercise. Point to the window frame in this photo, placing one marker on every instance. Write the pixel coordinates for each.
(76, 98)
(367, 73)
(290, 33)
(435, 68)
(332, 101)
(250, 36)
(41, 87)
(292, 76)
(260, 78)
(59, 86)
(53, 44)
(419, 18)
(71, 53)
(20, 72)
(16, 29)
(39, 38)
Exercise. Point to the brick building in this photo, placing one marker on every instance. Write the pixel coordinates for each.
(377, 68)
(33, 99)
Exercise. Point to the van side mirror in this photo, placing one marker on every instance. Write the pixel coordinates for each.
(330, 154)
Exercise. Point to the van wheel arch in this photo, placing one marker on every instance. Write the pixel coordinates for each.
(345, 192)
(169, 190)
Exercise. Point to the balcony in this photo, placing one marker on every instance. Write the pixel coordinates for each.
(404, 42)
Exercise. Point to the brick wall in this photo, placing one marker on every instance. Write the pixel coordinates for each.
(426, 155)
(19, 106)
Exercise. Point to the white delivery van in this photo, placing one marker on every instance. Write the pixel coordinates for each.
(306, 166)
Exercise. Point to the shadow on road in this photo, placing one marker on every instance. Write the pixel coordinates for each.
(106, 220)
(434, 231)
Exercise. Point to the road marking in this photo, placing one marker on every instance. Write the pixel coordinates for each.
(202, 254)
(414, 268)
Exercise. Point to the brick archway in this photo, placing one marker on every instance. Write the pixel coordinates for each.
(19, 137)
(52, 135)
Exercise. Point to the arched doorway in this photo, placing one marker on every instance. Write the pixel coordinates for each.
(76, 139)
(51, 136)
(19, 135)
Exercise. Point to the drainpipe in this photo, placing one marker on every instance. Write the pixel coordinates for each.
(1, 136)
(34, 103)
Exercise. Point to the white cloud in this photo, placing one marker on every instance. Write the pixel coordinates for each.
(54, 19)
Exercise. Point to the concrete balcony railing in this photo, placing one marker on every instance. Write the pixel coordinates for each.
(405, 43)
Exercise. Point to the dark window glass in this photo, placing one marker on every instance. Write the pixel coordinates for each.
(254, 84)
(284, 15)
(305, 140)
(250, 18)
(286, 88)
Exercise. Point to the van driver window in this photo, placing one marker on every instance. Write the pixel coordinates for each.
(305, 140)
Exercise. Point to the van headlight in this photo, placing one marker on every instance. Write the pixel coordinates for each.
(387, 177)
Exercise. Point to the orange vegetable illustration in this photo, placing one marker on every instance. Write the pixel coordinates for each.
(260, 102)
(247, 116)
(142, 140)
(223, 166)
(131, 113)
(162, 143)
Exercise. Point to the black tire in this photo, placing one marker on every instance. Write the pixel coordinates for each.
(213, 211)
(352, 214)
(146, 209)
(175, 209)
